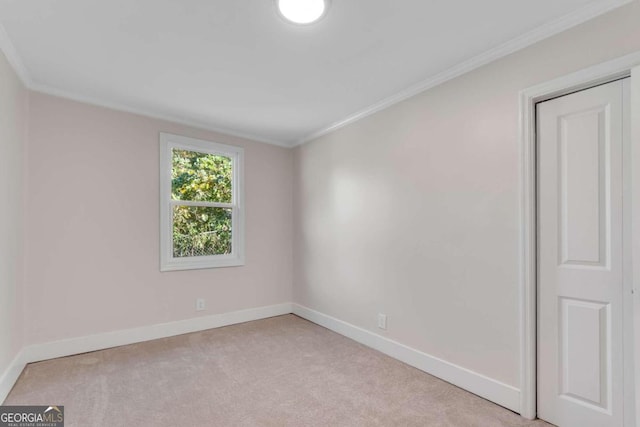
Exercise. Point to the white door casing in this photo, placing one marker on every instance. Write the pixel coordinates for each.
(634, 224)
(580, 257)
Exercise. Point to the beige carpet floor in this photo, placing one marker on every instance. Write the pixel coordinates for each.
(282, 371)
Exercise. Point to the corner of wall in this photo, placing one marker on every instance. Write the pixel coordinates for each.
(14, 107)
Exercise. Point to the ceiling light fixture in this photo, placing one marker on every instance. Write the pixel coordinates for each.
(302, 11)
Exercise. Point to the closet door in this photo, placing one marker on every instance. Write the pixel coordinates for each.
(580, 257)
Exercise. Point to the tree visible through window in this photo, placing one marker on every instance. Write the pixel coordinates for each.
(201, 217)
(201, 177)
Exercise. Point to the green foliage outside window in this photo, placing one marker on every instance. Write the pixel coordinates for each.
(201, 177)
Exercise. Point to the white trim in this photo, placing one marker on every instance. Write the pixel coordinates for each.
(202, 204)
(490, 389)
(155, 114)
(237, 256)
(69, 347)
(590, 11)
(547, 30)
(628, 338)
(10, 52)
(14, 59)
(495, 391)
(591, 76)
(11, 375)
(528, 263)
(634, 223)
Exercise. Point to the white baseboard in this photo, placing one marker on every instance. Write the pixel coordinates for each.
(68, 347)
(490, 389)
(11, 374)
(495, 391)
(51, 350)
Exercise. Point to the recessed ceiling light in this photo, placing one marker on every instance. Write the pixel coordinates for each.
(302, 11)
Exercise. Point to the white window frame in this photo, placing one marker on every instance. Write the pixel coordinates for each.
(168, 262)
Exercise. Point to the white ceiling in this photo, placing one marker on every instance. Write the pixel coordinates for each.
(236, 66)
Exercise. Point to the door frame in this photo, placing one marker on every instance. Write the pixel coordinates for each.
(528, 98)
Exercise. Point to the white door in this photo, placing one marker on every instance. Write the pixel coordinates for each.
(580, 259)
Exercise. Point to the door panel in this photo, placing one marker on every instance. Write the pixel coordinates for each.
(582, 158)
(584, 350)
(580, 274)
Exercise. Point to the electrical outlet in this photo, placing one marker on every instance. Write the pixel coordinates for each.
(200, 304)
(382, 321)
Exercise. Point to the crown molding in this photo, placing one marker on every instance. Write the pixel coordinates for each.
(547, 30)
(10, 52)
(154, 114)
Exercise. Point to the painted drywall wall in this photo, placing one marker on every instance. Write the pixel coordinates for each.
(413, 212)
(13, 140)
(93, 234)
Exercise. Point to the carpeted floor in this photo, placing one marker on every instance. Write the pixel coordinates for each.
(282, 371)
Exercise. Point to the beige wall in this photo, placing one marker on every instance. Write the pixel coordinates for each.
(13, 138)
(413, 211)
(93, 226)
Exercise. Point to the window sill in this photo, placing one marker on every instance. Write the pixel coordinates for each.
(199, 264)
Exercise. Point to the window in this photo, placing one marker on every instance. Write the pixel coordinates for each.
(201, 204)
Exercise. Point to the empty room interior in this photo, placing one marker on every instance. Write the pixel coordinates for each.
(320, 213)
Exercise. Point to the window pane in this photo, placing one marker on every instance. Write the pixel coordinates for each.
(201, 231)
(201, 177)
